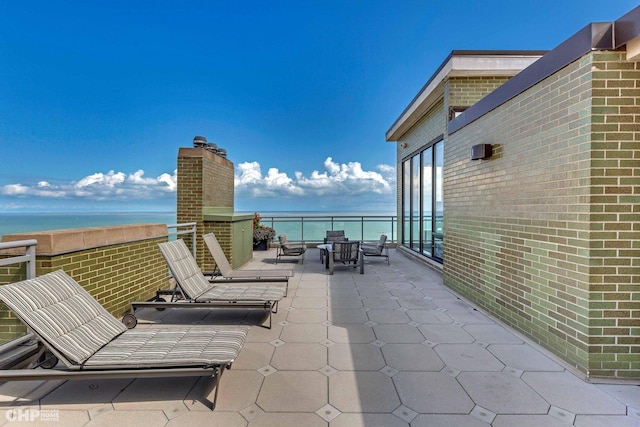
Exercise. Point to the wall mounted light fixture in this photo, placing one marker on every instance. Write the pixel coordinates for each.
(481, 151)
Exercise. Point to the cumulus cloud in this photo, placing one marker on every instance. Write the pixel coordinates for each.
(99, 186)
(14, 189)
(332, 184)
(334, 180)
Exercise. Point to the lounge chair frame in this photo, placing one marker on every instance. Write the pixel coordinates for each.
(186, 294)
(111, 367)
(224, 272)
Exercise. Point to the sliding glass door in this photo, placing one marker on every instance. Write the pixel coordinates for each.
(422, 210)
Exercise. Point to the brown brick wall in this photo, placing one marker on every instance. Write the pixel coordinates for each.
(205, 180)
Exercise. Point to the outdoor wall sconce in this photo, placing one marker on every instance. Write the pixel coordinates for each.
(481, 151)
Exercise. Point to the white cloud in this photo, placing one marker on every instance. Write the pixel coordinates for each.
(337, 185)
(170, 180)
(337, 180)
(14, 189)
(99, 186)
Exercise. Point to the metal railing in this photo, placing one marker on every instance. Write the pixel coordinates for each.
(177, 232)
(16, 350)
(29, 257)
(313, 228)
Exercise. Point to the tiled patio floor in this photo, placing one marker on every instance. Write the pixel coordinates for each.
(392, 347)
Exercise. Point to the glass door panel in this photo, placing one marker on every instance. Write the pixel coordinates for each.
(438, 227)
(406, 202)
(415, 202)
(427, 201)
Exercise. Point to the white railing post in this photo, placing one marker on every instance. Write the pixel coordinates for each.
(192, 231)
(29, 257)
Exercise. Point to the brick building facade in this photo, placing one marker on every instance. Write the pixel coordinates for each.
(545, 233)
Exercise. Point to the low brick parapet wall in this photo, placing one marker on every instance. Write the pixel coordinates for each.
(115, 264)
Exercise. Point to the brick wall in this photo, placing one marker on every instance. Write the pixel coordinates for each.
(130, 269)
(205, 181)
(189, 190)
(10, 326)
(615, 217)
(224, 235)
(545, 234)
(466, 91)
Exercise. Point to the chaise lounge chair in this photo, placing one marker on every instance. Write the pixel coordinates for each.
(193, 290)
(228, 273)
(91, 343)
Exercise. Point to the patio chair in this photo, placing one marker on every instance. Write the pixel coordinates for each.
(91, 343)
(335, 236)
(331, 236)
(345, 253)
(287, 248)
(380, 249)
(228, 273)
(193, 289)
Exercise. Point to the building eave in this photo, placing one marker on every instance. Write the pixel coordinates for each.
(460, 64)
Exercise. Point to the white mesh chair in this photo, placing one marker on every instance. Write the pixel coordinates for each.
(193, 289)
(379, 249)
(91, 343)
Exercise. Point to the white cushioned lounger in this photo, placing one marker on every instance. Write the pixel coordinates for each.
(89, 340)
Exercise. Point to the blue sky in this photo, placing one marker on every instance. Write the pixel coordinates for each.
(96, 97)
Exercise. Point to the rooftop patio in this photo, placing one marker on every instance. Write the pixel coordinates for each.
(391, 347)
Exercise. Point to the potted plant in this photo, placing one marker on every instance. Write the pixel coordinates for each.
(262, 234)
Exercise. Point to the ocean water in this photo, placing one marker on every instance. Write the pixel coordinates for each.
(27, 222)
(312, 228)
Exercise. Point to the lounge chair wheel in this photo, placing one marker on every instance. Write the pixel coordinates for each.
(159, 299)
(129, 321)
(47, 360)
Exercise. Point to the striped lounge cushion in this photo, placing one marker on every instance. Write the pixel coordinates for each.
(184, 268)
(244, 292)
(63, 314)
(66, 317)
(174, 346)
(197, 288)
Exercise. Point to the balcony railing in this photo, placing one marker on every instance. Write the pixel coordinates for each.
(29, 257)
(175, 230)
(313, 228)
